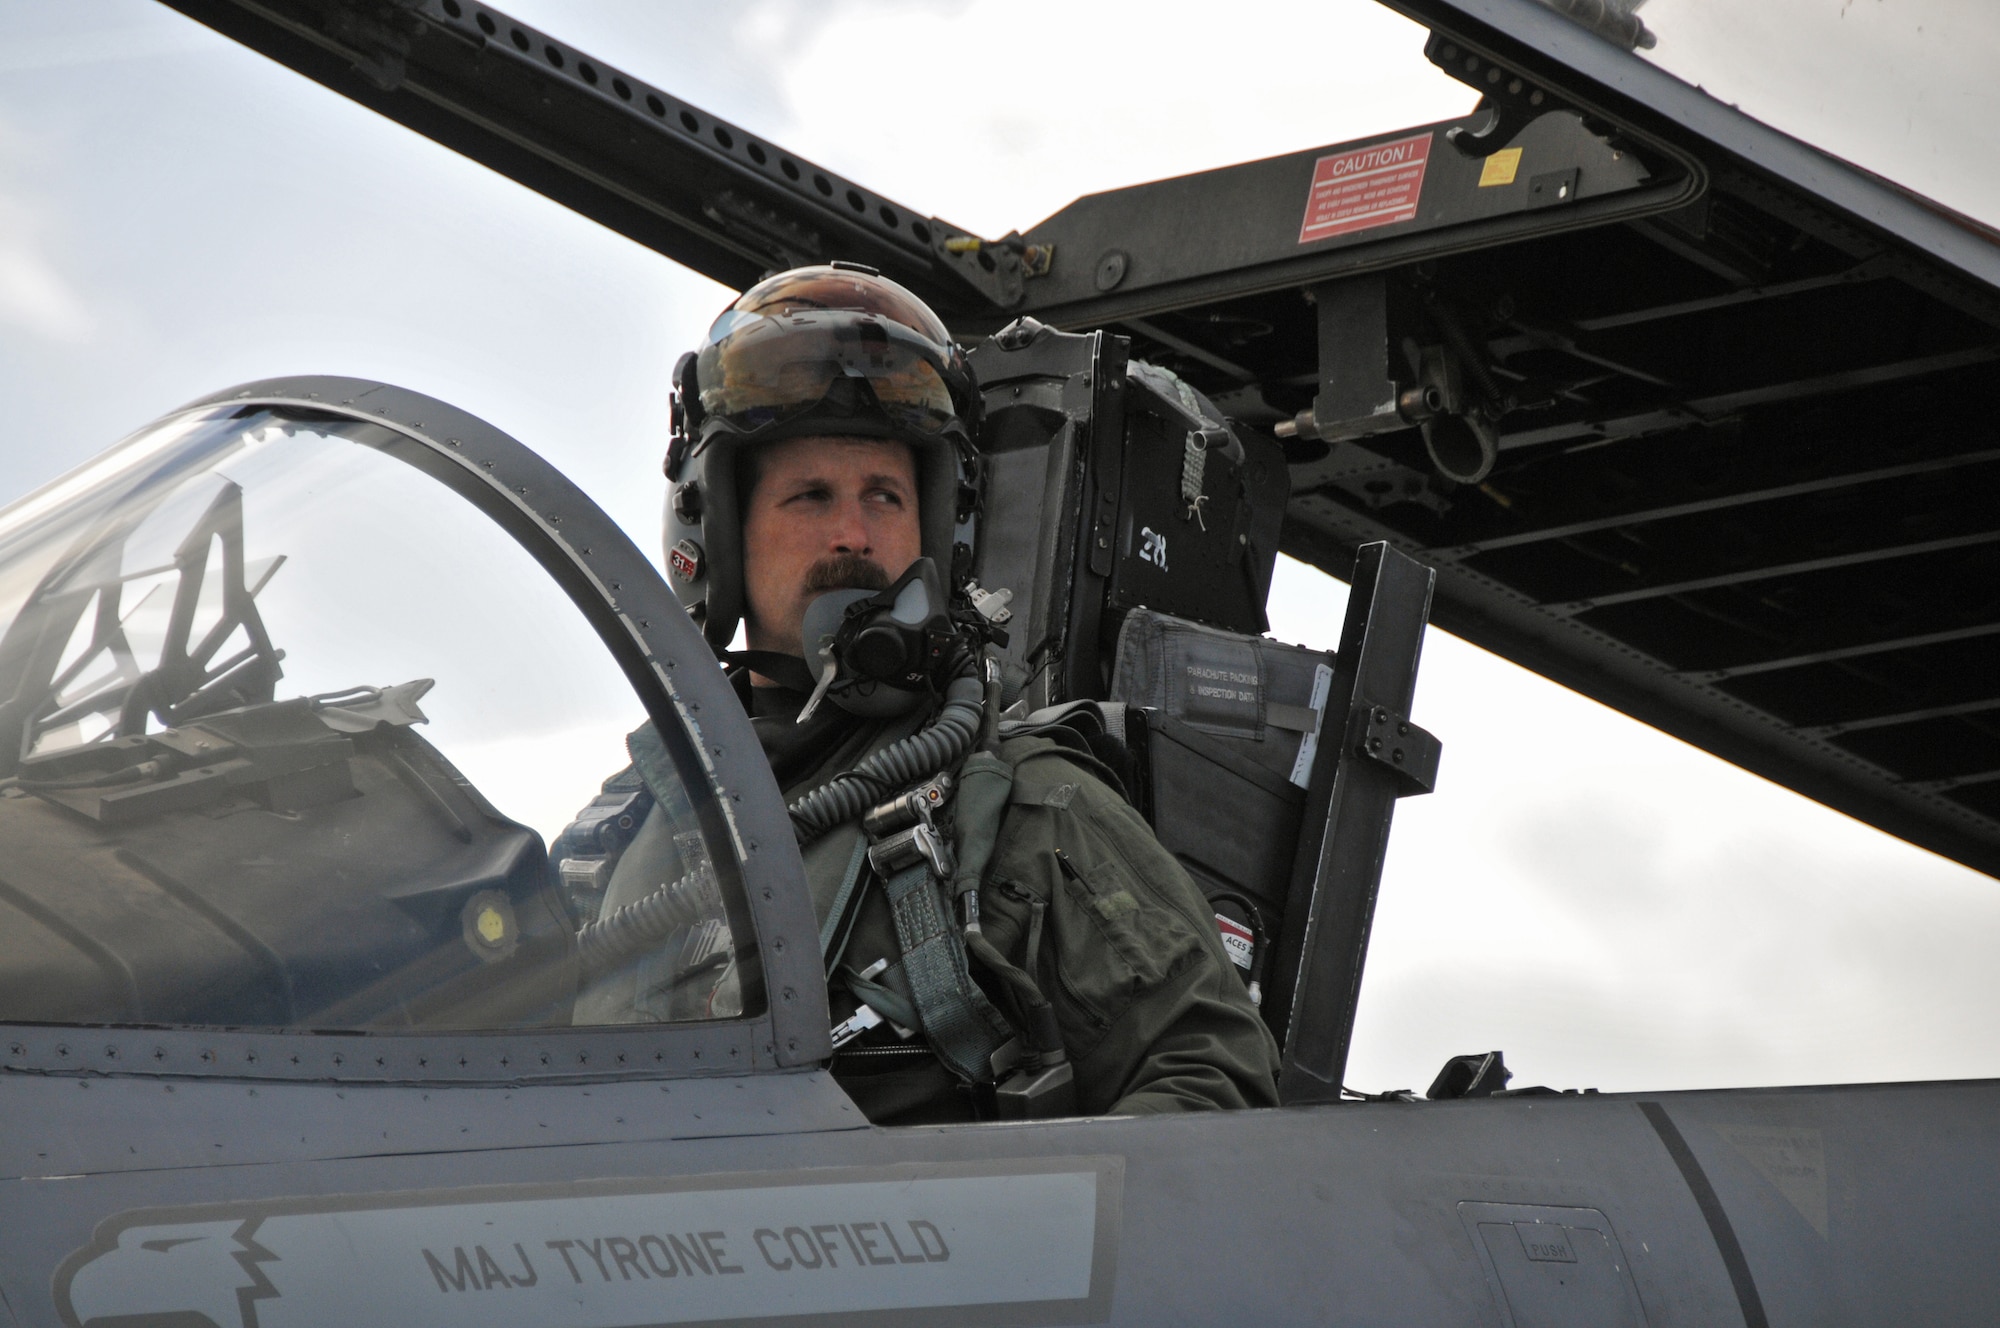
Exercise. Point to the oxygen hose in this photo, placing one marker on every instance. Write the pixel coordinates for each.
(906, 761)
(616, 937)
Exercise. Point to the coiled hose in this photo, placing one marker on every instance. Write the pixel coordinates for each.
(922, 754)
(643, 923)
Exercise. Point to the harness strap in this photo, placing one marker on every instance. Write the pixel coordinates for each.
(840, 915)
(961, 1025)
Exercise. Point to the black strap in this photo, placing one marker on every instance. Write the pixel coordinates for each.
(786, 670)
(838, 928)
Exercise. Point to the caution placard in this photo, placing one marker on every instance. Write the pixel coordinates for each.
(1365, 187)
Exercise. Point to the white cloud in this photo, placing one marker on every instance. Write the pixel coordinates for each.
(70, 50)
(1903, 89)
(997, 114)
(34, 294)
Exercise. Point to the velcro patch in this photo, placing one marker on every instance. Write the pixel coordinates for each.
(1115, 905)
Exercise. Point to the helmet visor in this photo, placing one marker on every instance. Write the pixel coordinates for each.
(760, 369)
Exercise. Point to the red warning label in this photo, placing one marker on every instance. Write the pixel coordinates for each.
(1372, 186)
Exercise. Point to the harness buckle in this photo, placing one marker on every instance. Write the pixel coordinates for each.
(920, 843)
(903, 831)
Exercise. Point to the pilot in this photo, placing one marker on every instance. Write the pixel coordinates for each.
(824, 444)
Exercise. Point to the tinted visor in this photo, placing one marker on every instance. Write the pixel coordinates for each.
(758, 369)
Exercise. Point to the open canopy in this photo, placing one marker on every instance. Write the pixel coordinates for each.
(324, 706)
(1710, 447)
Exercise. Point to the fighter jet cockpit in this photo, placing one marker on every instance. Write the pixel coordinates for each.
(290, 729)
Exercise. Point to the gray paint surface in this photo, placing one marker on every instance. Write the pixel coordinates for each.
(1351, 1213)
(66, 1125)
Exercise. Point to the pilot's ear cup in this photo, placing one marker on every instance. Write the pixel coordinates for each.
(703, 539)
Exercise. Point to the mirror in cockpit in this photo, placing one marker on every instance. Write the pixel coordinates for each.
(288, 732)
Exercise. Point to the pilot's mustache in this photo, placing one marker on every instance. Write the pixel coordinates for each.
(846, 571)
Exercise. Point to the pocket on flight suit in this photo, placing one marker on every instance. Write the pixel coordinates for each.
(1148, 942)
(1108, 940)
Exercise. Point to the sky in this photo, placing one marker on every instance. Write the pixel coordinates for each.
(1903, 87)
(1620, 911)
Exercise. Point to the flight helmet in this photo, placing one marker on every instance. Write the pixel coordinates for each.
(832, 349)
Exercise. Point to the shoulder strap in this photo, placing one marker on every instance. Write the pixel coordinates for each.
(961, 1025)
(650, 759)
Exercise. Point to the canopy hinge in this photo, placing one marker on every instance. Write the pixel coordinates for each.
(1388, 737)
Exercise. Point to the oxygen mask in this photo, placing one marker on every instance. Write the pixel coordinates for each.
(876, 652)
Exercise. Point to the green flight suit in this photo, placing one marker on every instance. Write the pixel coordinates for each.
(1152, 1012)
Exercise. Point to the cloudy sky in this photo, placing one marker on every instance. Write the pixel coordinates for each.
(177, 215)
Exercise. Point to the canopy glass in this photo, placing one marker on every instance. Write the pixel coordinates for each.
(294, 735)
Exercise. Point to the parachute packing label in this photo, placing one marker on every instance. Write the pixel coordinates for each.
(1366, 187)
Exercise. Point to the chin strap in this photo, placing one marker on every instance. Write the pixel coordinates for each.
(786, 670)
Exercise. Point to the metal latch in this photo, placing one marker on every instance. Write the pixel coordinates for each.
(901, 831)
(921, 842)
(1406, 750)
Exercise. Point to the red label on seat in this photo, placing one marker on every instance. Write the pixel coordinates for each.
(1236, 938)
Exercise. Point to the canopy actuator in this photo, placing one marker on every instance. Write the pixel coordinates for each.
(1392, 357)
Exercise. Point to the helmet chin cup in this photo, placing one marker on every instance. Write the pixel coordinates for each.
(882, 646)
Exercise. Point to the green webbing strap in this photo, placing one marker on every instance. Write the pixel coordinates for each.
(833, 933)
(962, 1027)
